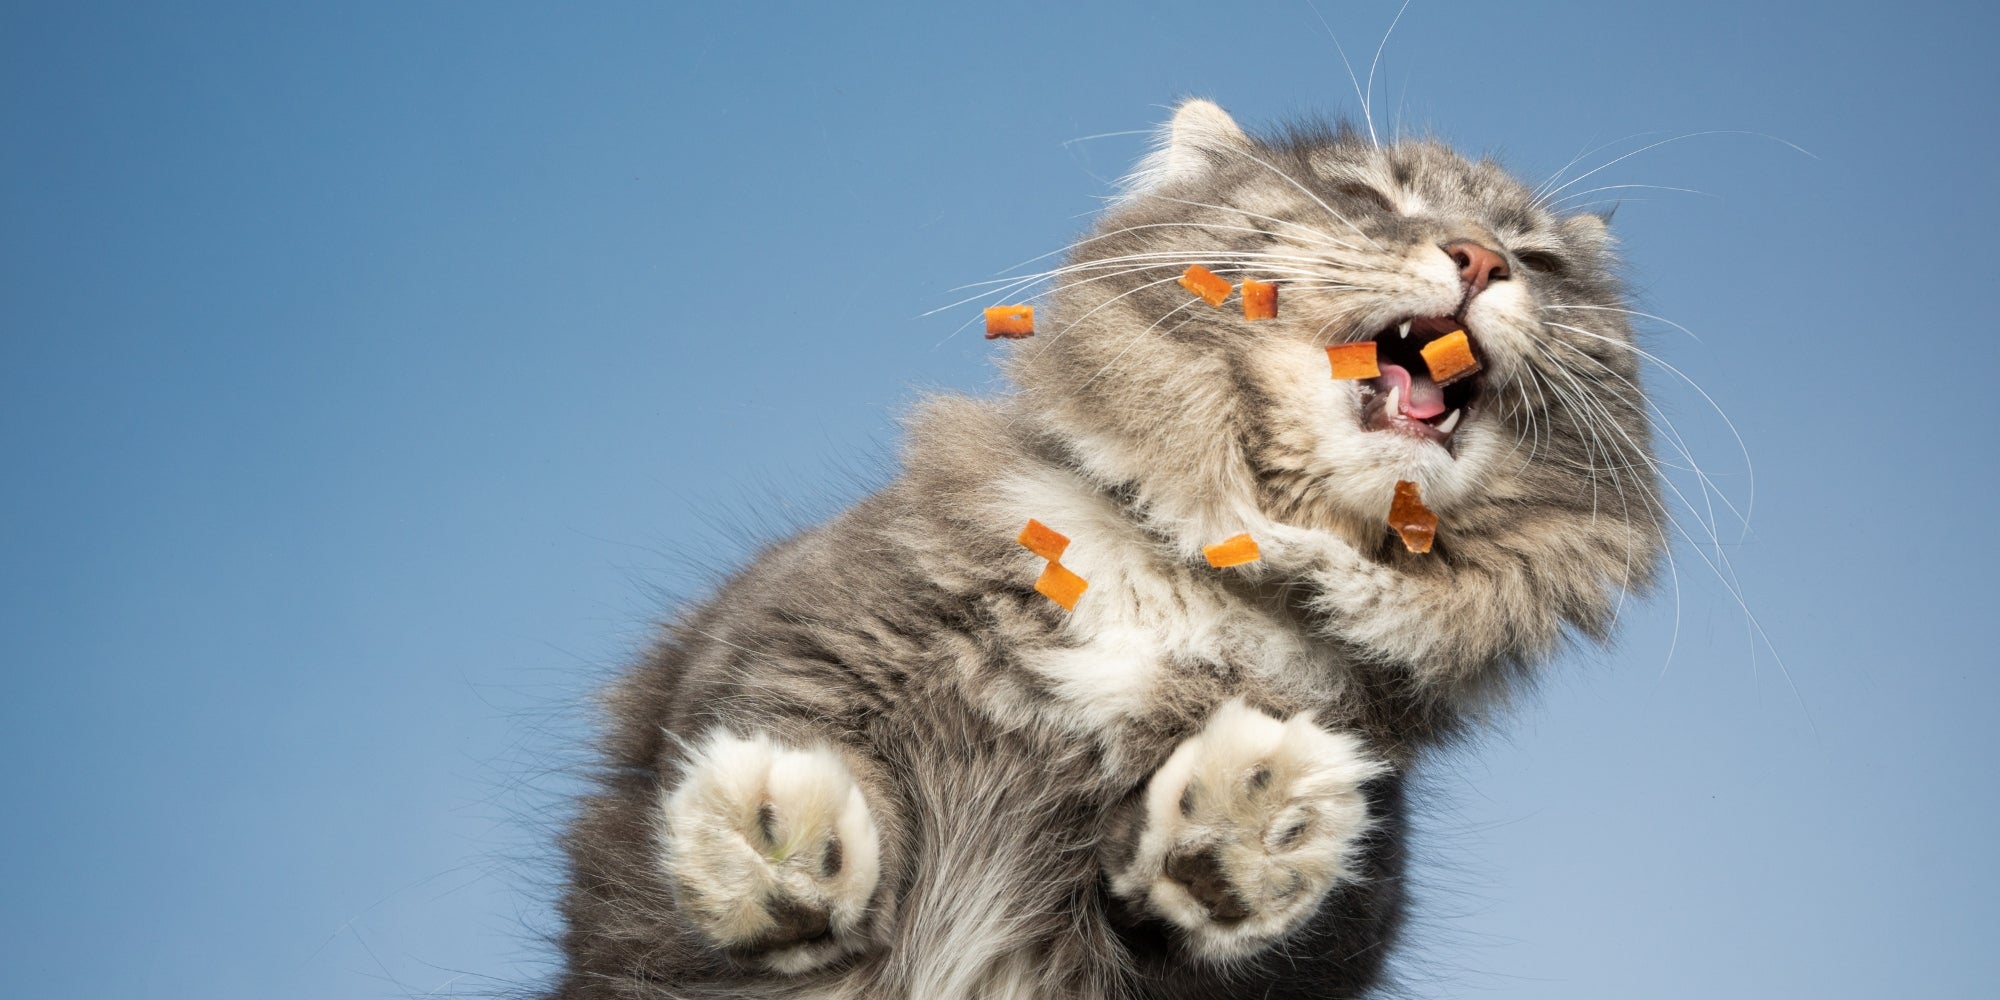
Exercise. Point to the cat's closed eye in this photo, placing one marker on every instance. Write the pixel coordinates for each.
(1540, 261)
(1364, 193)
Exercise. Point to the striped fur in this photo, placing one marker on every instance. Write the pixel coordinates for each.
(991, 816)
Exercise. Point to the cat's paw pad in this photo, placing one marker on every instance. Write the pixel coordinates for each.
(1247, 826)
(772, 851)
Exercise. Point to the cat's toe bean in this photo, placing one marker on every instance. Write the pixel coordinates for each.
(1202, 875)
(772, 851)
(1247, 826)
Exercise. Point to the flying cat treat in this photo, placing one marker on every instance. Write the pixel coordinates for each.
(1411, 519)
(1232, 552)
(1450, 358)
(1043, 540)
(1205, 283)
(1011, 322)
(1353, 360)
(1260, 299)
(1060, 585)
(1057, 583)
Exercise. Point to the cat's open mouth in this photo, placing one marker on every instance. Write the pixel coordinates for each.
(1404, 397)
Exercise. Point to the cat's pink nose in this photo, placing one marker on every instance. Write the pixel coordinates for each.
(1477, 266)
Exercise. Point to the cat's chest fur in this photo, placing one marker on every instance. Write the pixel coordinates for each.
(1155, 642)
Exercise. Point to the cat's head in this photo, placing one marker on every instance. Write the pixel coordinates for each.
(1213, 420)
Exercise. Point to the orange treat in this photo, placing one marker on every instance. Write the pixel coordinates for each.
(1205, 283)
(1011, 322)
(1060, 585)
(1411, 519)
(1043, 540)
(1260, 299)
(1450, 358)
(1232, 552)
(1354, 360)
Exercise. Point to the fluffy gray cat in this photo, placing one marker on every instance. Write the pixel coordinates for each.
(879, 763)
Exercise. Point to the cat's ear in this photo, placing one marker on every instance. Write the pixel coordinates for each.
(1588, 229)
(1199, 137)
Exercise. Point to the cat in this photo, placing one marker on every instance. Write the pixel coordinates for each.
(879, 763)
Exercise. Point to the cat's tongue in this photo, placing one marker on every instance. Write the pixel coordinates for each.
(1418, 396)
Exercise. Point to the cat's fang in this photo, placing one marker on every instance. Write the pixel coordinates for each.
(1423, 408)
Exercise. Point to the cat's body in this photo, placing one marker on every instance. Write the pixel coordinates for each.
(880, 764)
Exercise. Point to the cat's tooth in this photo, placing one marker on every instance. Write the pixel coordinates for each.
(1449, 422)
(1404, 329)
(1395, 404)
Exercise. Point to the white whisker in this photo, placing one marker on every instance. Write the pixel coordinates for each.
(1750, 500)
(1367, 98)
(1578, 158)
(1073, 247)
(1632, 312)
(1621, 187)
(1311, 231)
(1544, 197)
(1289, 179)
(1359, 95)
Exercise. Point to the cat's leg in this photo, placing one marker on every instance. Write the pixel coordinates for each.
(1448, 622)
(1245, 829)
(774, 851)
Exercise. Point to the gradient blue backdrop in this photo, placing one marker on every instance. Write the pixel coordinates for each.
(371, 377)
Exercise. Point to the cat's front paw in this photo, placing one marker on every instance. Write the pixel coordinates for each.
(772, 851)
(1246, 828)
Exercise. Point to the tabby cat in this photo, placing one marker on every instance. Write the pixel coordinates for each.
(879, 763)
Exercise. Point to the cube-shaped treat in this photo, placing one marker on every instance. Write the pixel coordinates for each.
(1011, 322)
(1260, 299)
(1232, 552)
(1411, 519)
(1205, 283)
(1354, 360)
(1450, 358)
(1061, 586)
(1043, 540)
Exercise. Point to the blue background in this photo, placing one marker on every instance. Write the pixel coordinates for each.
(372, 377)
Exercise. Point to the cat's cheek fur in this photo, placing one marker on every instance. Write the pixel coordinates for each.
(1247, 827)
(772, 851)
